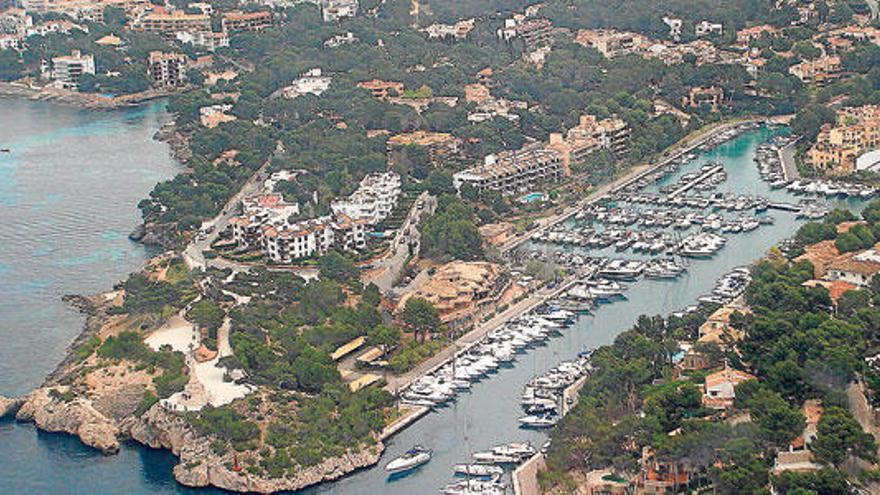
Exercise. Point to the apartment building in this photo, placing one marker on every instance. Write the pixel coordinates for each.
(534, 33)
(818, 71)
(167, 68)
(855, 132)
(15, 22)
(611, 43)
(374, 199)
(173, 22)
(238, 21)
(67, 69)
(589, 136)
(512, 172)
(257, 211)
(207, 40)
(438, 144)
(457, 31)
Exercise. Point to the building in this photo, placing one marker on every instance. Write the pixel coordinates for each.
(167, 68)
(313, 82)
(287, 243)
(10, 42)
(457, 31)
(533, 33)
(257, 211)
(374, 199)
(717, 328)
(458, 290)
(512, 172)
(438, 144)
(67, 69)
(856, 131)
(336, 10)
(207, 40)
(15, 22)
(382, 89)
(699, 97)
(745, 36)
(820, 255)
(675, 24)
(855, 268)
(170, 23)
(213, 115)
(869, 161)
(706, 28)
(233, 22)
(589, 136)
(719, 387)
(611, 43)
(818, 71)
(340, 39)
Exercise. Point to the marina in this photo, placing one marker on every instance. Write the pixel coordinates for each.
(487, 414)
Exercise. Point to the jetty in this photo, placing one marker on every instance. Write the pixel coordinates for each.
(699, 180)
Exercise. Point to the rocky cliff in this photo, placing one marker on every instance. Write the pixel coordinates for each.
(8, 407)
(51, 410)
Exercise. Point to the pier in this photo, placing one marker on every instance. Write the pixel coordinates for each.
(699, 180)
(790, 171)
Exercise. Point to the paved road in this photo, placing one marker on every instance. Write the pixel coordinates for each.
(789, 165)
(407, 234)
(193, 255)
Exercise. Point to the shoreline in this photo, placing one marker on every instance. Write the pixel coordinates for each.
(85, 101)
(89, 306)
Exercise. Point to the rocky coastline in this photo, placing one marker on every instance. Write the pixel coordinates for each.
(99, 405)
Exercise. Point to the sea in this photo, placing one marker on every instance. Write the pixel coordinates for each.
(69, 189)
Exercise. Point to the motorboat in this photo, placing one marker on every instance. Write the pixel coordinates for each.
(538, 421)
(478, 470)
(411, 459)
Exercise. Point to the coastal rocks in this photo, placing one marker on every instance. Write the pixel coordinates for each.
(8, 407)
(200, 466)
(176, 140)
(52, 410)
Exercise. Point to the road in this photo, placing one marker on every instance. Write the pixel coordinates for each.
(789, 165)
(407, 234)
(193, 255)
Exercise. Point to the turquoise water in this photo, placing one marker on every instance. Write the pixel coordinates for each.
(535, 196)
(67, 200)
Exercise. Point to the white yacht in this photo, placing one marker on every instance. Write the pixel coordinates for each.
(411, 459)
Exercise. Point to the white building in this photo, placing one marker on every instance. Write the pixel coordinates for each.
(208, 40)
(335, 10)
(15, 22)
(674, 27)
(67, 69)
(312, 82)
(706, 28)
(10, 42)
(855, 268)
(374, 199)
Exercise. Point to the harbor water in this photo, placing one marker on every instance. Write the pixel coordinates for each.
(68, 194)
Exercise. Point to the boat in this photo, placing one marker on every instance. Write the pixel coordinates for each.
(478, 470)
(5, 150)
(475, 487)
(491, 457)
(411, 459)
(536, 421)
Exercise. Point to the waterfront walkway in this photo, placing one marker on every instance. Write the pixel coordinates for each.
(789, 165)
(397, 383)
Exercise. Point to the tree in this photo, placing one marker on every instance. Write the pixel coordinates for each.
(384, 336)
(337, 267)
(207, 314)
(839, 435)
(421, 317)
(779, 422)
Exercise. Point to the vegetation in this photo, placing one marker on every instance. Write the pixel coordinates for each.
(130, 346)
